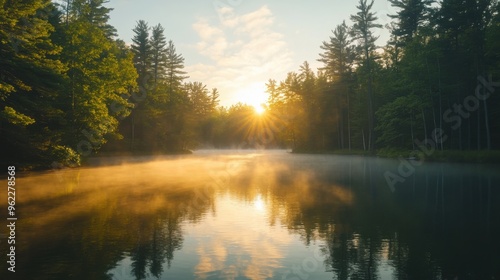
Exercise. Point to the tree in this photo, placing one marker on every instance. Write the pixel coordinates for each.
(158, 53)
(364, 22)
(309, 98)
(337, 53)
(397, 121)
(101, 76)
(162, 119)
(94, 12)
(199, 118)
(337, 59)
(31, 86)
(141, 47)
(214, 98)
(175, 63)
(411, 15)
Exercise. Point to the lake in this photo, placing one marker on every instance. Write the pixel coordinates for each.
(256, 215)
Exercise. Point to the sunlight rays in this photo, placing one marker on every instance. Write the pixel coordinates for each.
(259, 127)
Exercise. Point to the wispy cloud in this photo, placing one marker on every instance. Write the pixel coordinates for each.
(244, 52)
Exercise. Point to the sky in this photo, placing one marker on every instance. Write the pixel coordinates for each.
(236, 46)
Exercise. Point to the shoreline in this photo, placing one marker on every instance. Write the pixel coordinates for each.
(448, 156)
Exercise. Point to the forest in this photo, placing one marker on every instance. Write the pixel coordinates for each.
(70, 88)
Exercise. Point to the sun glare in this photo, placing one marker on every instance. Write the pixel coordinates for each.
(254, 95)
(259, 109)
(259, 204)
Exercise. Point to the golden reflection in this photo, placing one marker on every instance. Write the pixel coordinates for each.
(144, 209)
(239, 243)
(223, 216)
(259, 203)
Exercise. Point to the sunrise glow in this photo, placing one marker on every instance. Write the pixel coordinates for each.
(259, 109)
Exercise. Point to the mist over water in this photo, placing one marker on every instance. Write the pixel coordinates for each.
(257, 215)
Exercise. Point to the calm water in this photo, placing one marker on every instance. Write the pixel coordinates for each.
(256, 215)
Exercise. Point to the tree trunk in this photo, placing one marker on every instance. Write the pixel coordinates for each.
(133, 130)
(348, 123)
(364, 143)
(487, 124)
(425, 125)
(370, 96)
(469, 132)
(479, 129)
(412, 136)
(440, 103)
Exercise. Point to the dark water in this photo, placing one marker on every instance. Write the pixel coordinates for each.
(257, 215)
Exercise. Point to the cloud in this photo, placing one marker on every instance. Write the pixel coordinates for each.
(243, 50)
(246, 247)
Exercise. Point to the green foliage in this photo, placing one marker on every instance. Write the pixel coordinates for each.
(141, 48)
(158, 53)
(397, 120)
(101, 74)
(426, 73)
(338, 53)
(66, 82)
(174, 65)
(412, 14)
(30, 81)
(364, 21)
(64, 156)
(16, 118)
(169, 114)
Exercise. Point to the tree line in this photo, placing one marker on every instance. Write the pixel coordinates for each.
(432, 85)
(70, 88)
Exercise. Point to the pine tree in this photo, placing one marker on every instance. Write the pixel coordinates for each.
(214, 99)
(337, 59)
(337, 53)
(158, 53)
(364, 21)
(141, 48)
(174, 65)
(94, 12)
(31, 85)
(101, 75)
(411, 15)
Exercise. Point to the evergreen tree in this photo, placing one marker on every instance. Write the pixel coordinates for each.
(141, 48)
(411, 15)
(101, 76)
(364, 21)
(31, 86)
(158, 53)
(174, 65)
(337, 59)
(337, 53)
(94, 12)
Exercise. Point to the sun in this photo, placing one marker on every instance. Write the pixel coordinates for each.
(254, 95)
(259, 109)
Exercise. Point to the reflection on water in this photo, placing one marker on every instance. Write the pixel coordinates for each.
(257, 215)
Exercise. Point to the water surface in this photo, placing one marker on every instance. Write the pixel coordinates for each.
(257, 215)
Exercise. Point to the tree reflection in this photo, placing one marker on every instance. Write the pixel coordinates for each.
(94, 224)
(437, 225)
(443, 223)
